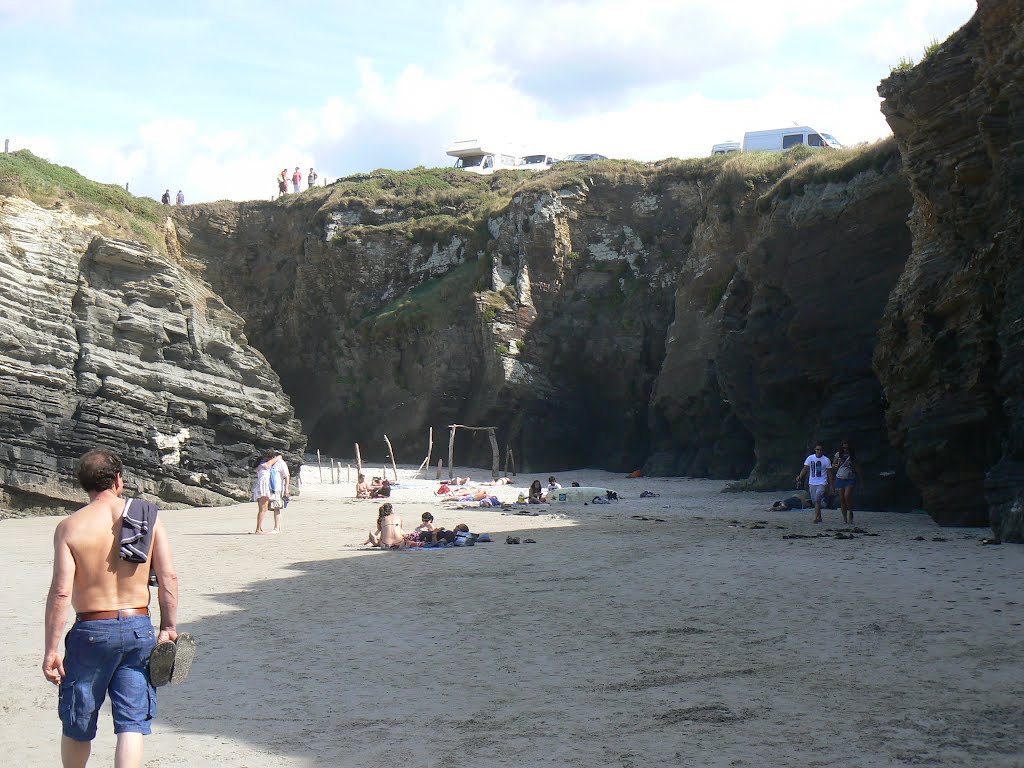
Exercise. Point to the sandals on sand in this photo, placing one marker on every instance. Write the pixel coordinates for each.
(171, 662)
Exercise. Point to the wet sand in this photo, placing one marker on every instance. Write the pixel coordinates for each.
(680, 630)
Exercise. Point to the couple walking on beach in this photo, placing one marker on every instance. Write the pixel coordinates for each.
(104, 558)
(272, 490)
(824, 475)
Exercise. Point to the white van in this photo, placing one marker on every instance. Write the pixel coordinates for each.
(482, 157)
(536, 162)
(725, 148)
(781, 139)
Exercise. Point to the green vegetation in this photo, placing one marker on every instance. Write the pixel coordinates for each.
(430, 306)
(717, 291)
(48, 185)
(906, 63)
(828, 166)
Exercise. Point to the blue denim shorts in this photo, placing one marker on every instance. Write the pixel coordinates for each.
(107, 656)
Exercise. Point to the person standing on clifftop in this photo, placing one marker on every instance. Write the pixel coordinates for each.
(297, 180)
(818, 469)
(180, 199)
(166, 197)
(311, 179)
(282, 182)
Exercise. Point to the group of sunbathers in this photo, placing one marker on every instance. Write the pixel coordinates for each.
(389, 533)
(380, 488)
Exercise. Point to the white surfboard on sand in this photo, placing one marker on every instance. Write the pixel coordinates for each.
(575, 495)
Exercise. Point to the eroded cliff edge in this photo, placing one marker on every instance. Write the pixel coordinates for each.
(952, 351)
(710, 317)
(106, 342)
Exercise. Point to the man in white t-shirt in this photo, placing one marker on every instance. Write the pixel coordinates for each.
(818, 471)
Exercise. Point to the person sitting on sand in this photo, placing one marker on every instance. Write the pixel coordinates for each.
(427, 530)
(536, 495)
(552, 485)
(382, 491)
(362, 488)
(389, 534)
(427, 523)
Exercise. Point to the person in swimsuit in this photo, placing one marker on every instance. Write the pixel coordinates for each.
(362, 488)
(389, 533)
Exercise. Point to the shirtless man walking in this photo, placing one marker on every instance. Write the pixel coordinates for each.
(109, 645)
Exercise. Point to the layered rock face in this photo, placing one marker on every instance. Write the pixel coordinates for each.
(951, 356)
(105, 342)
(694, 320)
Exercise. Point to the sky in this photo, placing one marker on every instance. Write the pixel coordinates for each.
(215, 97)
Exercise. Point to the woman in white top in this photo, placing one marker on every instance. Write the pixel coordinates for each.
(261, 492)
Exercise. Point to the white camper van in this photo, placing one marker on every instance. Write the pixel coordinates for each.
(537, 161)
(725, 148)
(482, 157)
(781, 139)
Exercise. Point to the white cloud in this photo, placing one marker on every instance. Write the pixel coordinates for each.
(14, 11)
(645, 79)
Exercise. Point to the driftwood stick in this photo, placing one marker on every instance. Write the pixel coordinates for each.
(440, 466)
(451, 450)
(391, 453)
(319, 466)
(495, 459)
(332, 471)
(359, 461)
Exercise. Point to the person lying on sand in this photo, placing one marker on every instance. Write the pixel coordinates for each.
(476, 494)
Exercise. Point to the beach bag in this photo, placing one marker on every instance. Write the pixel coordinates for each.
(845, 472)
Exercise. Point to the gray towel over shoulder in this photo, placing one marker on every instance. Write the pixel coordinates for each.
(137, 523)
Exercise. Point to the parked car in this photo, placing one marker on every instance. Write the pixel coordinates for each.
(583, 158)
(537, 162)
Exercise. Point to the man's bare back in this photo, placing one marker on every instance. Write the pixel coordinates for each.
(103, 581)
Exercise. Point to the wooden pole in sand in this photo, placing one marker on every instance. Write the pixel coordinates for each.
(391, 453)
(319, 466)
(440, 466)
(451, 449)
(359, 462)
(494, 453)
(430, 447)
(332, 470)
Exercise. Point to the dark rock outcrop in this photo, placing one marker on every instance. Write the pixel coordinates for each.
(951, 355)
(707, 319)
(105, 342)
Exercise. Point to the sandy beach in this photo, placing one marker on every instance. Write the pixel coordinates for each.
(680, 630)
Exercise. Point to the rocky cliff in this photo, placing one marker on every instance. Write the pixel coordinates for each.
(106, 342)
(951, 356)
(710, 317)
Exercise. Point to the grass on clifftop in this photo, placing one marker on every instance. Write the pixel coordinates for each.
(22, 174)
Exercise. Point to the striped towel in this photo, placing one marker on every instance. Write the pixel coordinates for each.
(137, 523)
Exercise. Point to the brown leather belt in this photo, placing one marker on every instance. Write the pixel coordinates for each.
(124, 613)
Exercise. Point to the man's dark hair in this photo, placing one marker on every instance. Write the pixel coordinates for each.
(98, 470)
